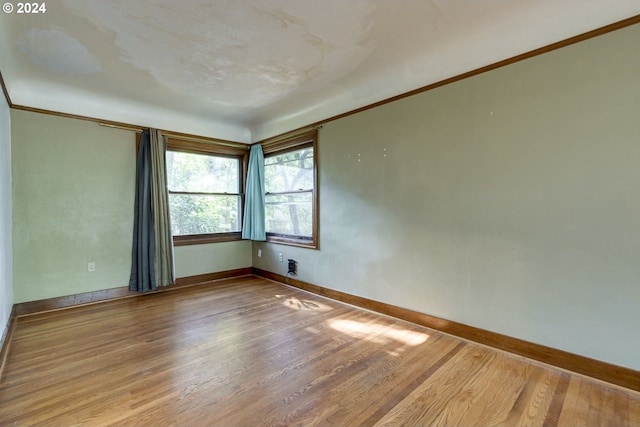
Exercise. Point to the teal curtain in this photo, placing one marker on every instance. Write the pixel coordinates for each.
(253, 226)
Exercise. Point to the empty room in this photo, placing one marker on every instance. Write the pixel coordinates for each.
(332, 213)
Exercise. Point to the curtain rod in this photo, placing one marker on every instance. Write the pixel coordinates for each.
(123, 127)
(196, 138)
(178, 135)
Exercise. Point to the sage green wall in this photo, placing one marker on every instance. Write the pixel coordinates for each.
(72, 204)
(509, 201)
(203, 259)
(73, 194)
(6, 267)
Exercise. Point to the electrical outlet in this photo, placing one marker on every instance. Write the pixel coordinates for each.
(280, 257)
(91, 267)
(259, 253)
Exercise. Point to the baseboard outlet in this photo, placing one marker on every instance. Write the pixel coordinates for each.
(593, 368)
(39, 306)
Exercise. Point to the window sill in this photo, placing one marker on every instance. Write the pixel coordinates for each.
(292, 241)
(201, 239)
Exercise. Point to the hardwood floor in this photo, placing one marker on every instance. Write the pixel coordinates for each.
(250, 352)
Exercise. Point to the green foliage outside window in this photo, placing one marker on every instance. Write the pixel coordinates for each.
(203, 193)
(289, 188)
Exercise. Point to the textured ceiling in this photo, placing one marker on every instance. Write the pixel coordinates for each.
(244, 70)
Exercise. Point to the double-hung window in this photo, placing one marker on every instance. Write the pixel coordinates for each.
(291, 202)
(205, 183)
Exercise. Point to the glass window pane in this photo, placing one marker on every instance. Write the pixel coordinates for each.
(289, 214)
(290, 171)
(201, 173)
(195, 214)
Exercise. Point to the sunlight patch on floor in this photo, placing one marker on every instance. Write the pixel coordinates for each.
(313, 330)
(378, 333)
(304, 304)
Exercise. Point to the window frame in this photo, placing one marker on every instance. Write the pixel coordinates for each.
(308, 139)
(218, 150)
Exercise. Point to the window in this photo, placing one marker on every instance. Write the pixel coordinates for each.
(205, 184)
(291, 204)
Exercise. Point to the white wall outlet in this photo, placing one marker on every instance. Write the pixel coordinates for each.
(259, 253)
(280, 258)
(91, 267)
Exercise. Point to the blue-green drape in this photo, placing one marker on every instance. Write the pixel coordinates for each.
(164, 264)
(152, 254)
(253, 226)
(143, 275)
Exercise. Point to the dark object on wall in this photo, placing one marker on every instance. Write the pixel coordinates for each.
(292, 268)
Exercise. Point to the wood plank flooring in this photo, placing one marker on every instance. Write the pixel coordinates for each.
(251, 352)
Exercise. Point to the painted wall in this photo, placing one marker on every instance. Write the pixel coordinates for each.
(73, 195)
(6, 267)
(509, 201)
(203, 259)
